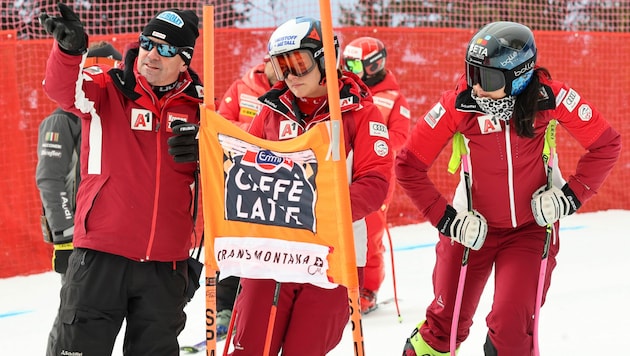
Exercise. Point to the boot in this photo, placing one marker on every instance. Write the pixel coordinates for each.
(416, 346)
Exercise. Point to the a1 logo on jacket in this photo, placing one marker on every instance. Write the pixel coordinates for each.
(141, 119)
(488, 124)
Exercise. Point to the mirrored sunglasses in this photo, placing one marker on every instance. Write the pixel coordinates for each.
(490, 79)
(298, 63)
(163, 49)
(353, 65)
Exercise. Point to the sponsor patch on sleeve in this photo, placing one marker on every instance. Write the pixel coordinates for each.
(381, 148)
(405, 112)
(585, 112)
(434, 115)
(560, 97)
(384, 102)
(571, 100)
(378, 129)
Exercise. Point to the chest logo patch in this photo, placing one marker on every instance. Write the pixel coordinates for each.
(288, 129)
(488, 124)
(172, 116)
(141, 119)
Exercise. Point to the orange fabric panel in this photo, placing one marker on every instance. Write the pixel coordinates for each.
(272, 208)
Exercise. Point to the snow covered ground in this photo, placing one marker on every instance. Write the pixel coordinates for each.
(587, 310)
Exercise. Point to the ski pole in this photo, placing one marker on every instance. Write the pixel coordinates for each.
(548, 157)
(391, 255)
(272, 319)
(464, 268)
(228, 337)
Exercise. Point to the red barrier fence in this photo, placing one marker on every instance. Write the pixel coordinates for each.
(426, 62)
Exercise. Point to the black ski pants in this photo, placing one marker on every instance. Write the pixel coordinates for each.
(226, 292)
(101, 290)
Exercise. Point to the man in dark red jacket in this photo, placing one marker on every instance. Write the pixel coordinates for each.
(133, 220)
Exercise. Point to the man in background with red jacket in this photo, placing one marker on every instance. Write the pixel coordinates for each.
(240, 103)
(366, 57)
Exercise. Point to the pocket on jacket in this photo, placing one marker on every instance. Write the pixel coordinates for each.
(90, 187)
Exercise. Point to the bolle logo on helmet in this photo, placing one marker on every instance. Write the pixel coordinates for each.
(509, 59)
(525, 69)
(171, 18)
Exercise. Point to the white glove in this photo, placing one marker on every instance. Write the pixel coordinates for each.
(549, 206)
(469, 228)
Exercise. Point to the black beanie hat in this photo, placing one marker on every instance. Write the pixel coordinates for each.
(177, 27)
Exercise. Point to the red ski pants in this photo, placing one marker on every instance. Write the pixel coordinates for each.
(515, 255)
(374, 271)
(309, 320)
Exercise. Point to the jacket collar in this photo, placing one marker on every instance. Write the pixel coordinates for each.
(352, 94)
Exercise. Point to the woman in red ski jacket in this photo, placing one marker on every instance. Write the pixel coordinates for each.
(502, 107)
(310, 319)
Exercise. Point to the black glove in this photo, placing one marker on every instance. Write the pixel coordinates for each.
(61, 254)
(62, 249)
(184, 144)
(67, 30)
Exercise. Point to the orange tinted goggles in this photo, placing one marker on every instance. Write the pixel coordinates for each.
(298, 63)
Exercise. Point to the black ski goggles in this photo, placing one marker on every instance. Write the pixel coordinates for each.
(490, 79)
(163, 49)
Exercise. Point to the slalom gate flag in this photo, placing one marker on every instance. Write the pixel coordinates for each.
(270, 210)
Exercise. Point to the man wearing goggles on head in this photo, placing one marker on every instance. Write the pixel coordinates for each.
(133, 224)
(507, 208)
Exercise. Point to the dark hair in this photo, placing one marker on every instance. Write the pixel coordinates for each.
(526, 106)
